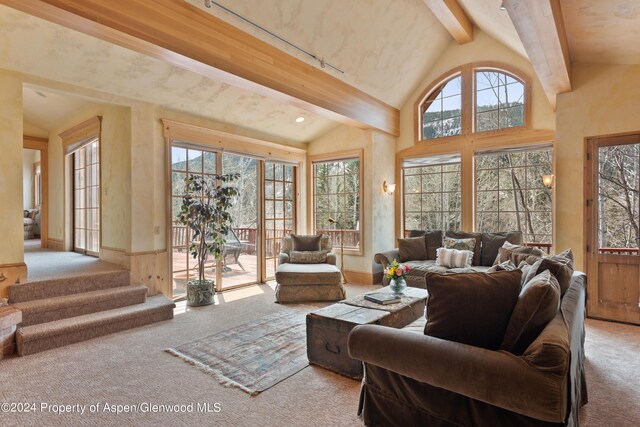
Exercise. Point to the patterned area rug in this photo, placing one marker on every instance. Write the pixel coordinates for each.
(254, 356)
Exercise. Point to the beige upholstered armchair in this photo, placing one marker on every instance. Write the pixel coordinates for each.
(30, 223)
(307, 270)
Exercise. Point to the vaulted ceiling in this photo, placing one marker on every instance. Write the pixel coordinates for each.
(385, 47)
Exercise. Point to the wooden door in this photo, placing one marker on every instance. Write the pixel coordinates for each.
(612, 219)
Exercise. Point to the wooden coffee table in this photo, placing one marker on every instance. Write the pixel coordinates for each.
(328, 328)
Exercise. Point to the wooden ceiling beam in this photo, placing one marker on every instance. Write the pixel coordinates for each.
(188, 37)
(453, 18)
(541, 29)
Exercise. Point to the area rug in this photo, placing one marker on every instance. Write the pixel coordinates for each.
(254, 356)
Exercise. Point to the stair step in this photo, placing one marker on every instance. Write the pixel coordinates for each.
(51, 288)
(57, 308)
(45, 336)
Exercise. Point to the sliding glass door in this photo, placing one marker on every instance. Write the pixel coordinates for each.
(263, 211)
(86, 198)
(279, 210)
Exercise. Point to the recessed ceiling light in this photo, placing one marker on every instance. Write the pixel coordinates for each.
(502, 6)
(300, 119)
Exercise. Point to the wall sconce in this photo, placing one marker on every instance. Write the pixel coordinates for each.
(547, 180)
(388, 188)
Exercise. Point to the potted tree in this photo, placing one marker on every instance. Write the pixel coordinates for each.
(205, 211)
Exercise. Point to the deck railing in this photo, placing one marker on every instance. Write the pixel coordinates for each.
(620, 251)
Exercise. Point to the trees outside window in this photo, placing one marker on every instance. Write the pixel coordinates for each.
(510, 194)
(499, 101)
(336, 189)
(432, 198)
(441, 112)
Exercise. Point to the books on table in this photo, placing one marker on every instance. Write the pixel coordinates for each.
(382, 298)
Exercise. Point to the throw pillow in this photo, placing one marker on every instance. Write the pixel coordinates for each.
(453, 258)
(471, 308)
(561, 266)
(537, 304)
(459, 244)
(308, 257)
(464, 235)
(492, 242)
(412, 249)
(306, 242)
(325, 243)
(433, 240)
(287, 245)
(505, 266)
(516, 254)
(529, 271)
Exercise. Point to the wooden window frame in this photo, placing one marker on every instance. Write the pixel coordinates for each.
(526, 188)
(338, 156)
(441, 212)
(468, 100)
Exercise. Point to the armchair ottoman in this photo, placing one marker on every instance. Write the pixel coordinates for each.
(304, 282)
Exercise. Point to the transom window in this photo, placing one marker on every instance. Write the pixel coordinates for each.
(441, 112)
(337, 191)
(431, 189)
(499, 101)
(473, 98)
(510, 194)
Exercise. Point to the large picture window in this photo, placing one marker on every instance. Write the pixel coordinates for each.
(510, 194)
(431, 191)
(336, 196)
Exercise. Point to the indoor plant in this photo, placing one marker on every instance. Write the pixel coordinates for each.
(397, 273)
(205, 212)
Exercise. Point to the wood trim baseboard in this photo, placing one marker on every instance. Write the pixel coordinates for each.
(363, 277)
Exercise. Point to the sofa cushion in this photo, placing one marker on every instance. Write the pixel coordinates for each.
(307, 274)
(326, 244)
(492, 242)
(561, 266)
(459, 244)
(432, 238)
(471, 308)
(516, 254)
(453, 258)
(307, 257)
(309, 242)
(464, 235)
(412, 249)
(504, 266)
(537, 304)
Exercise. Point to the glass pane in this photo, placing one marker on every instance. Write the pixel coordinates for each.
(618, 199)
(209, 162)
(442, 111)
(178, 159)
(194, 160)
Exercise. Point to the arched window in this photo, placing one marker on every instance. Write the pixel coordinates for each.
(473, 98)
(499, 100)
(442, 110)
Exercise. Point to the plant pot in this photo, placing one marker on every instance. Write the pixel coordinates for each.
(199, 293)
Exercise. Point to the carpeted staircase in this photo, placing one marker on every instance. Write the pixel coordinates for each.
(63, 311)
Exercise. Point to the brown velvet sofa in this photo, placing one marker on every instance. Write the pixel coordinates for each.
(486, 250)
(414, 379)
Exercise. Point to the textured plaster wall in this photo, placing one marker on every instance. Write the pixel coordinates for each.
(115, 174)
(11, 225)
(605, 100)
(377, 208)
(483, 48)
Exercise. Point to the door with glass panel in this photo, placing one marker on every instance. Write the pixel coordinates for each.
(187, 161)
(612, 224)
(240, 258)
(279, 210)
(86, 198)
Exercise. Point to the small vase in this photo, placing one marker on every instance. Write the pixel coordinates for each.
(199, 293)
(398, 285)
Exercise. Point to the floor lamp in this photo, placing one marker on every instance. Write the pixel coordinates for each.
(337, 224)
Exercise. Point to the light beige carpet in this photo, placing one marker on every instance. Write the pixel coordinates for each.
(50, 264)
(132, 368)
